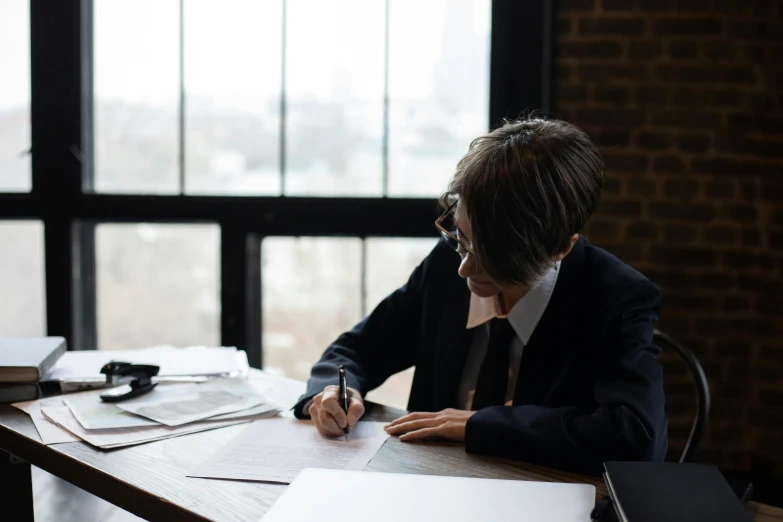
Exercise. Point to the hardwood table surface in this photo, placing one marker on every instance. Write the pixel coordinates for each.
(149, 480)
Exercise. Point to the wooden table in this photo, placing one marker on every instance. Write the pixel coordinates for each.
(149, 479)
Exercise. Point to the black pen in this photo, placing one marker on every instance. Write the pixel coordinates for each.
(344, 396)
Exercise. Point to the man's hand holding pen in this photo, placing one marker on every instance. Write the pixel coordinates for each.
(327, 412)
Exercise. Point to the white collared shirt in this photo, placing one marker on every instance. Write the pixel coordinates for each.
(523, 317)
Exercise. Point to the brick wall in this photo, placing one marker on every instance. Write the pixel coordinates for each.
(685, 97)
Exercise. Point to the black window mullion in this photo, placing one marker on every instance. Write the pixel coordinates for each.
(240, 290)
(69, 254)
(253, 303)
(85, 310)
(520, 58)
(58, 259)
(58, 59)
(87, 109)
(56, 101)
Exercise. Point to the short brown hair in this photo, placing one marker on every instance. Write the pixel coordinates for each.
(527, 188)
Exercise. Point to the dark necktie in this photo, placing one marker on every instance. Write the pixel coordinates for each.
(493, 375)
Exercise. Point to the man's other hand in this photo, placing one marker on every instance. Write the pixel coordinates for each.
(447, 424)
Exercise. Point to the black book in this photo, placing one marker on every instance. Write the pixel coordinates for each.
(10, 393)
(27, 360)
(670, 491)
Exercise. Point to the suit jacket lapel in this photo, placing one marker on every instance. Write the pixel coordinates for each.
(550, 345)
(452, 344)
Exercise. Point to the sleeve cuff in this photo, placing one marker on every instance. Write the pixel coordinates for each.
(301, 408)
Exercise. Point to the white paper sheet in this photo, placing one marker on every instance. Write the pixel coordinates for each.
(119, 437)
(320, 494)
(279, 390)
(194, 360)
(175, 406)
(94, 414)
(262, 410)
(49, 432)
(276, 450)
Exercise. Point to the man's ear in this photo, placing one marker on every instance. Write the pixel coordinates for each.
(560, 256)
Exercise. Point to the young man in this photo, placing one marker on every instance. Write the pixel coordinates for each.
(545, 355)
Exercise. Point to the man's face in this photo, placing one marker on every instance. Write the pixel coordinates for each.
(478, 281)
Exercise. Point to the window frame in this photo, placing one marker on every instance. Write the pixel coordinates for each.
(62, 193)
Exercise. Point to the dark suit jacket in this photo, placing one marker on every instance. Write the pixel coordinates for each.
(589, 387)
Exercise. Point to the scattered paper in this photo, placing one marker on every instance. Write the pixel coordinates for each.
(94, 414)
(265, 410)
(49, 432)
(119, 437)
(190, 403)
(276, 450)
(277, 389)
(194, 360)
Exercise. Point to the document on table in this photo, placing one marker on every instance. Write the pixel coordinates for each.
(119, 437)
(95, 414)
(185, 404)
(278, 390)
(276, 450)
(49, 432)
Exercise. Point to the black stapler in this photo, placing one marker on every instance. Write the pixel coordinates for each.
(135, 378)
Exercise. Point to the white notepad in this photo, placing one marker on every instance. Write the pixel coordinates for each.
(357, 496)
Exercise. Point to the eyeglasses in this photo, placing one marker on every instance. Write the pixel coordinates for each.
(448, 229)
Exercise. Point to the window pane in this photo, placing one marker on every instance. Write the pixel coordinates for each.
(23, 303)
(136, 75)
(334, 83)
(390, 262)
(157, 284)
(311, 294)
(14, 96)
(438, 89)
(233, 54)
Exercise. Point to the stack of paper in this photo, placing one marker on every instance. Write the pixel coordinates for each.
(79, 370)
(178, 405)
(118, 437)
(167, 411)
(49, 432)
